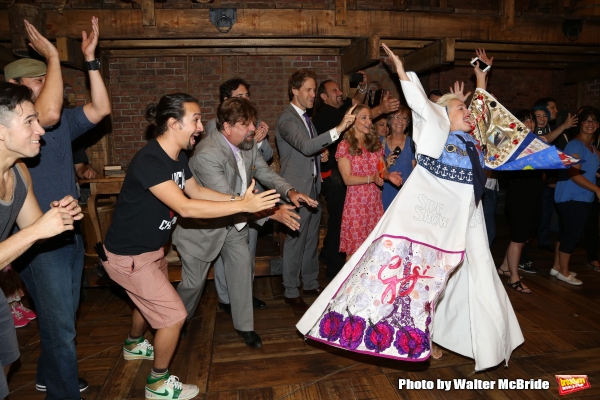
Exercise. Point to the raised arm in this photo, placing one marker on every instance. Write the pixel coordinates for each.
(482, 76)
(50, 100)
(99, 107)
(397, 63)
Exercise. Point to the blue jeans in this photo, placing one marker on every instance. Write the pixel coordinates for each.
(52, 273)
(490, 202)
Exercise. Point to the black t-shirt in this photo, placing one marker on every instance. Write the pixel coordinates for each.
(328, 118)
(141, 223)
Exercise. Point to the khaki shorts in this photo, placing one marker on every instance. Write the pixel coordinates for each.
(146, 279)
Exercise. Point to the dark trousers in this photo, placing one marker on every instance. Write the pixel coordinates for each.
(547, 210)
(591, 231)
(334, 190)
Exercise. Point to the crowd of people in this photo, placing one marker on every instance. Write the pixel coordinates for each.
(375, 167)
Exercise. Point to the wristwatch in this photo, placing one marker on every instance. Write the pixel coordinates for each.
(93, 65)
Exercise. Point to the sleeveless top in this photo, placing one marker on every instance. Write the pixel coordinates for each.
(10, 210)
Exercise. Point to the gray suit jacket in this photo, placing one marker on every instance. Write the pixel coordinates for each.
(214, 167)
(297, 150)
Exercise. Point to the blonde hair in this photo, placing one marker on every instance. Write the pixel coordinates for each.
(446, 99)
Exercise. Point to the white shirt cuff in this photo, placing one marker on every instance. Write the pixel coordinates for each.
(260, 143)
(334, 134)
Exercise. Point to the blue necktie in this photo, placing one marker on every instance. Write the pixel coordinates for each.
(478, 174)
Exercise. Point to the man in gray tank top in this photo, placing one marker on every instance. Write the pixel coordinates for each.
(20, 133)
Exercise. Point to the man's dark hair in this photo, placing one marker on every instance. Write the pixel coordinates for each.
(169, 106)
(297, 80)
(234, 110)
(544, 101)
(319, 102)
(435, 92)
(11, 95)
(229, 86)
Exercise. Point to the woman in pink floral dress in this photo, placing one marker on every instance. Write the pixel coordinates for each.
(360, 161)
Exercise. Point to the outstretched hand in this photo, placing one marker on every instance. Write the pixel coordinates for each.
(258, 202)
(389, 104)
(39, 43)
(458, 91)
(89, 43)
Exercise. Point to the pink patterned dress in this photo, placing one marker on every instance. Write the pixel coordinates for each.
(363, 207)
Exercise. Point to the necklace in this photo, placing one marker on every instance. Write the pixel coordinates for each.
(2, 194)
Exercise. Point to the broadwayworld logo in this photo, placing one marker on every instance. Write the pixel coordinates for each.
(572, 383)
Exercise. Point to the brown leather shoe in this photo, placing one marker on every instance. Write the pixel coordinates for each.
(316, 291)
(296, 303)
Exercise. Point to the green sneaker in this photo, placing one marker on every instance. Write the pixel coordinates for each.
(169, 387)
(138, 350)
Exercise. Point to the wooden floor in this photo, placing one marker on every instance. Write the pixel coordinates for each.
(560, 322)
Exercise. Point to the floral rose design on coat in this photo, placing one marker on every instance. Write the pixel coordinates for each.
(379, 336)
(352, 332)
(330, 327)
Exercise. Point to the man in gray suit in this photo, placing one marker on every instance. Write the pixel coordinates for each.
(299, 152)
(227, 161)
(237, 87)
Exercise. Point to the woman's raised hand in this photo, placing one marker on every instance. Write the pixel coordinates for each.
(483, 57)
(396, 61)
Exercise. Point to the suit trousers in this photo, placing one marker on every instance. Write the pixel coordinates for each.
(219, 268)
(300, 252)
(238, 274)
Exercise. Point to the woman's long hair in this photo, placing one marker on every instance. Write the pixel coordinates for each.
(372, 143)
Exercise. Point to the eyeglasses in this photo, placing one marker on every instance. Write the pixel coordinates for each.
(399, 118)
(590, 121)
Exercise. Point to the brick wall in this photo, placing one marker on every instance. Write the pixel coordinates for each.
(591, 95)
(134, 82)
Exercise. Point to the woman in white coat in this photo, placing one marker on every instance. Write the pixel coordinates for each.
(425, 272)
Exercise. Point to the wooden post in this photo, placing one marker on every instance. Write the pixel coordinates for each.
(340, 12)
(148, 14)
(508, 14)
(18, 34)
(69, 52)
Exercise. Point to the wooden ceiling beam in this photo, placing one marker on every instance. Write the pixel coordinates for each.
(529, 48)
(361, 54)
(233, 42)
(256, 51)
(148, 13)
(436, 54)
(519, 65)
(186, 23)
(532, 57)
(507, 9)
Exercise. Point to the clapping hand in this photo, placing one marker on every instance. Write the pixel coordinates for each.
(39, 43)
(89, 43)
(261, 132)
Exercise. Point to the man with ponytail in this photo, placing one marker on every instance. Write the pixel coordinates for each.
(158, 187)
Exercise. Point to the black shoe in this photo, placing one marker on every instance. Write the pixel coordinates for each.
(258, 303)
(251, 339)
(528, 267)
(83, 384)
(183, 331)
(225, 307)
